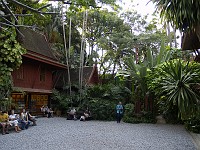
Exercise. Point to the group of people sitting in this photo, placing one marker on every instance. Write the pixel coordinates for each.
(19, 121)
(82, 116)
(48, 112)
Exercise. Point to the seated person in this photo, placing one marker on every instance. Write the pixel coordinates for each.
(4, 122)
(49, 113)
(24, 120)
(13, 120)
(86, 115)
(82, 118)
(71, 114)
(44, 109)
(31, 118)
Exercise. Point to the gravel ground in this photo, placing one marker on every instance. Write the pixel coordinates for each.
(61, 134)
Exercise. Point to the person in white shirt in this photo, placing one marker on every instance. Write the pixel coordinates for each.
(72, 114)
(13, 120)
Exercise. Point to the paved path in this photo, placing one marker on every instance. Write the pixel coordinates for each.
(61, 134)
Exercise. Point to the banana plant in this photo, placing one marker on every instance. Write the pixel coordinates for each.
(154, 60)
(139, 71)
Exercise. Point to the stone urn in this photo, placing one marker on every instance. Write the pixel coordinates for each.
(58, 113)
(160, 119)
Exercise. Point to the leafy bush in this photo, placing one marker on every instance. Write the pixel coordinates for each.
(138, 120)
(100, 99)
(129, 114)
(6, 86)
(131, 120)
(61, 100)
(193, 124)
(129, 117)
(171, 116)
(129, 110)
(102, 109)
(175, 81)
(109, 91)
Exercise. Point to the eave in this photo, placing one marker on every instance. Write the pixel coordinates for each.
(44, 59)
(32, 90)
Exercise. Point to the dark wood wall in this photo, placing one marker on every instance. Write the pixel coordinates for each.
(28, 75)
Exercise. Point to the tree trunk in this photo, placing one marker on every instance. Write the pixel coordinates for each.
(169, 35)
(175, 41)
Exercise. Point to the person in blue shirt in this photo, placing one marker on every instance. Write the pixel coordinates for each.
(119, 111)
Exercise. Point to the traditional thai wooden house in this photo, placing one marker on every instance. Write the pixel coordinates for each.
(90, 77)
(191, 41)
(33, 81)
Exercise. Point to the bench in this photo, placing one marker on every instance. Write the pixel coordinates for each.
(13, 127)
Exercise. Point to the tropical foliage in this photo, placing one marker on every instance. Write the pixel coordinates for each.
(61, 100)
(100, 99)
(175, 84)
(183, 14)
(5, 86)
(11, 58)
(116, 41)
(193, 124)
(138, 72)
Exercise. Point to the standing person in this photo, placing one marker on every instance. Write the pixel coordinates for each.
(119, 111)
(4, 122)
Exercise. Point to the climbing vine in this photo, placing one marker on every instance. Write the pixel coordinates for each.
(10, 58)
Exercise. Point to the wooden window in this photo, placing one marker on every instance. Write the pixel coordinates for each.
(20, 73)
(42, 74)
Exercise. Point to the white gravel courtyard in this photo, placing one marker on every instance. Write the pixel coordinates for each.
(61, 134)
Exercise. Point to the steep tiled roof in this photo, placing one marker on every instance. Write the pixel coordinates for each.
(36, 42)
(38, 47)
(74, 76)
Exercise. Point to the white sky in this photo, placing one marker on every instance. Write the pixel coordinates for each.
(140, 6)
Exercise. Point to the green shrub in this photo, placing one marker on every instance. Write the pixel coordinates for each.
(109, 92)
(131, 119)
(60, 101)
(148, 117)
(102, 109)
(129, 116)
(129, 109)
(193, 124)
